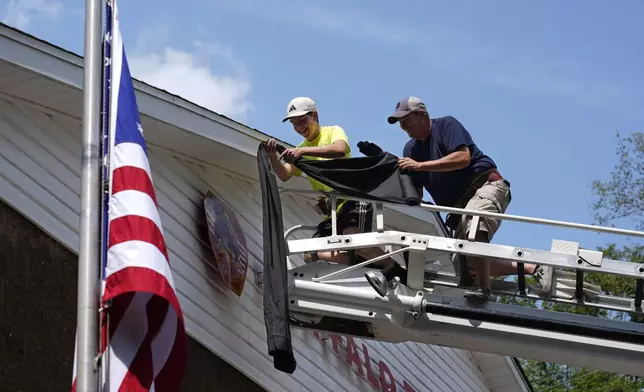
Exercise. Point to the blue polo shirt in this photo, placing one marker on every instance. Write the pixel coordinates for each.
(447, 135)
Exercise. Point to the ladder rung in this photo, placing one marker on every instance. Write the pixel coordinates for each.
(521, 278)
(579, 288)
(639, 288)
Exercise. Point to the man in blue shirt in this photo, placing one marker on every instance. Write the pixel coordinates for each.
(456, 173)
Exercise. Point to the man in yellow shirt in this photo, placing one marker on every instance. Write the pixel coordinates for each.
(324, 142)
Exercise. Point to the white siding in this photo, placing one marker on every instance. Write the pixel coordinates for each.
(40, 176)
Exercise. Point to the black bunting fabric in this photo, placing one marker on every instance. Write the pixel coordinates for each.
(278, 332)
(375, 177)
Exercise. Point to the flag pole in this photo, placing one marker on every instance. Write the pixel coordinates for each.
(89, 255)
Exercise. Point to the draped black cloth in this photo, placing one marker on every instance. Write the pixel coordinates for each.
(375, 177)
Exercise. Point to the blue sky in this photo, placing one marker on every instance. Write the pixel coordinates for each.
(543, 87)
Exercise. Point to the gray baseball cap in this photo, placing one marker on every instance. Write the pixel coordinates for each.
(406, 106)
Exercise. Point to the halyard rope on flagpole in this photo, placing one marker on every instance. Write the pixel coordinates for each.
(109, 23)
(104, 314)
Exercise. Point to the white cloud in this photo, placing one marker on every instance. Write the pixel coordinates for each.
(20, 13)
(190, 75)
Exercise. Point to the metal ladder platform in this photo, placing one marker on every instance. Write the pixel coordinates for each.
(337, 298)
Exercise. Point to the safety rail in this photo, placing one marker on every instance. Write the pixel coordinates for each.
(461, 211)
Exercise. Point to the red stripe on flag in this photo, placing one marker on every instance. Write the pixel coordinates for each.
(171, 375)
(136, 228)
(142, 280)
(140, 373)
(133, 178)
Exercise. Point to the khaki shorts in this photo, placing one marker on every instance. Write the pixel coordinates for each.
(494, 196)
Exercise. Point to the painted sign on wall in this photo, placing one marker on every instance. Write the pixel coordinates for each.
(381, 378)
(228, 243)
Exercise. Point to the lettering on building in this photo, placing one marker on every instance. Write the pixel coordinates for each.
(360, 362)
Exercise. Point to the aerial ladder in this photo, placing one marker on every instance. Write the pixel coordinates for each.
(431, 309)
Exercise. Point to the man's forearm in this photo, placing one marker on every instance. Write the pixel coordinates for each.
(455, 161)
(330, 151)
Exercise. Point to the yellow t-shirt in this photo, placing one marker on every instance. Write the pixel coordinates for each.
(327, 135)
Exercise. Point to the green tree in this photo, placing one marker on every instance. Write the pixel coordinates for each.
(621, 198)
(623, 195)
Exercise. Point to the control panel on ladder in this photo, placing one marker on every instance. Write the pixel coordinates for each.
(428, 306)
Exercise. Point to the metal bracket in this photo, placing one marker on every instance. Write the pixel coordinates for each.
(380, 220)
(474, 227)
(417, 307)
(97, 361)
(591, 257)
(334, 213)
(565, 247)
(105, 307)
(259, 278)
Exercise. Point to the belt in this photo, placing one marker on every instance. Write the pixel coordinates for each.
(494, 176)
(480, 180)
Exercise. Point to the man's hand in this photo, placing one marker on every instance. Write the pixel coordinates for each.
(409, 164)
(271, 145)
(283, 170)
(292, 154)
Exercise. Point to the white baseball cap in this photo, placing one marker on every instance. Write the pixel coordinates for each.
(298, 107)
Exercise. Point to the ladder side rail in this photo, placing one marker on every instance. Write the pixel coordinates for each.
(616, 304)
(528, 343)
(546, 320)
(419, 243)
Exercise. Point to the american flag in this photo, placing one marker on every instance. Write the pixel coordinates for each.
(143, 338)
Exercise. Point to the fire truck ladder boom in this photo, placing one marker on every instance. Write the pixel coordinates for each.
(337, 298)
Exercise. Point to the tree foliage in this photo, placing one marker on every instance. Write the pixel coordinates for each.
(623, 195)
(620, 197)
